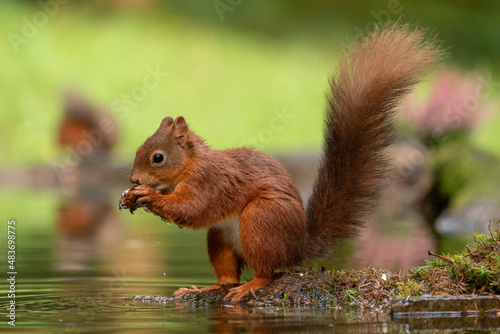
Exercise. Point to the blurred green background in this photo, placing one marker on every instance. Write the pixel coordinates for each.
(230, 65)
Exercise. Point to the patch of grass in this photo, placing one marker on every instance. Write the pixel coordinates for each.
(477, 266)
(475, 269)
(350, 295)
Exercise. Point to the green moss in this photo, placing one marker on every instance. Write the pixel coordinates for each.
(477, 266)
(408, 288)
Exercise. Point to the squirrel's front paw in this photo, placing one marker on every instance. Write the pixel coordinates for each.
(122, 204)
(137, 197)
(125, 203)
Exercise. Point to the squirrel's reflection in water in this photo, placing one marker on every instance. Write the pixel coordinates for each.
(86, 219)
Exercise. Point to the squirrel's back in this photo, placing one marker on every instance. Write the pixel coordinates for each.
(371, 79)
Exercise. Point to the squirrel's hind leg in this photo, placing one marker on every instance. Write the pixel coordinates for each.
(225, 259)
(273, 235)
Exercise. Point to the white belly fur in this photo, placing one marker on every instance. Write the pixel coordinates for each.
(231, 231)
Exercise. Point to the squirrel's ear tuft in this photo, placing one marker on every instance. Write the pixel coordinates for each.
(180, 129)
(166, 122)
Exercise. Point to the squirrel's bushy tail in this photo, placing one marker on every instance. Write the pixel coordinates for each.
(372, 77)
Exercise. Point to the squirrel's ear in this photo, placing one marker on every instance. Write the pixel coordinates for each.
(180, 129)
(167, 121)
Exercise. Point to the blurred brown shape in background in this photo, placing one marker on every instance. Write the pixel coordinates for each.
(86, 215)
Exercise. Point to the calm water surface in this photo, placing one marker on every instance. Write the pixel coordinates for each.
(80, 265)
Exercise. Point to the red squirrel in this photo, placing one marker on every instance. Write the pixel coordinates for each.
(249, 203)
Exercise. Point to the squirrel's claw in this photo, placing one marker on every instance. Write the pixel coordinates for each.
(182, 291)
(239, 292)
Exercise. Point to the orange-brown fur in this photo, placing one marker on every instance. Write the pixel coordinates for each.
(198, 187)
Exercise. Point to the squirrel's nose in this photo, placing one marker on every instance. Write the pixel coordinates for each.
(134, 178)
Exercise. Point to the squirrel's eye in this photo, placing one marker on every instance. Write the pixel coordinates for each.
(158, 158)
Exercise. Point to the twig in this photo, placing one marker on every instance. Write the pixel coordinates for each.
(492, 233)
(444, 258)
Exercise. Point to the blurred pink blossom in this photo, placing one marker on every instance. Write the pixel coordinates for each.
(456, 102)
